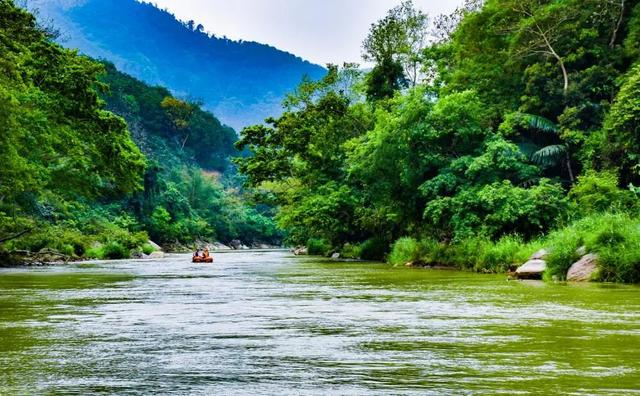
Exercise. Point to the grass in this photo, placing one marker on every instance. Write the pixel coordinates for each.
(614, 237)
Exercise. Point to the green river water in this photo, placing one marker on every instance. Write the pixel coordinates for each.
(271, 323)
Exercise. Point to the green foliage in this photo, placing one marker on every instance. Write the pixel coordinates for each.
(351, 251)
(75, 178)
(597, 192)
(406, 250)
(375, 248)
(613, 237)
(114, 250)
(318, 247)
(148, 249)
(621, 142)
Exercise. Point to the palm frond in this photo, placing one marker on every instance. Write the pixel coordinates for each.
(549, 155)
(540, 123)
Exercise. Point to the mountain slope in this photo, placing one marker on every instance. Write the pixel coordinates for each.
(241, 82)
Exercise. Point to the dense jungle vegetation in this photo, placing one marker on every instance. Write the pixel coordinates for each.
(80, 180)
(477, 138)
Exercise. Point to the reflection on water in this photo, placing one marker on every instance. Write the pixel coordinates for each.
(270, 323)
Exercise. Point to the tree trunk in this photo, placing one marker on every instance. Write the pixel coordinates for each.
(569, 169)
(614, 35)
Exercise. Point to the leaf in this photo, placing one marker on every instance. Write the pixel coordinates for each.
(540, 123)
(549, 155)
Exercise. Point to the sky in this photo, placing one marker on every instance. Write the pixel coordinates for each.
(321, 31)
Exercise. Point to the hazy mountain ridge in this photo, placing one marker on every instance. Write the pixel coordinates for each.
(241, 82)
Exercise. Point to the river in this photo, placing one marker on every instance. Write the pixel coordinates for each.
(271, 323)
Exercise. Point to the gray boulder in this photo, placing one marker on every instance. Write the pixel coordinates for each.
(532, 269)
(154, 245)
(156, 255)
(539, 255)
(583, 270)
(301, 251)
(335, 256)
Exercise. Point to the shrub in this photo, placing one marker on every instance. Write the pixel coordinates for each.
(597, 192)
(350, 251)
(148, 249)
(374, 249)
(405, 250)
(615, 238)
(498, 256)
(115, 250)
(318, 247)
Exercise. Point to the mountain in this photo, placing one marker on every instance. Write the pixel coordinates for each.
(241, 82)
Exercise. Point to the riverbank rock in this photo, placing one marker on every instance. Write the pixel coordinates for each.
(583, 270)
(154, 245)
(219, 246)
(301, 251)
(156, 255)
(532, 269)
(335, 256)
(539, 255)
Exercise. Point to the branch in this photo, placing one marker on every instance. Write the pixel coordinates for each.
(18, 235)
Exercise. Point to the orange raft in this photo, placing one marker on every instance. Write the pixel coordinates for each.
(202, 259)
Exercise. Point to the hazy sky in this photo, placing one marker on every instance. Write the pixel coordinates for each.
(321, 31)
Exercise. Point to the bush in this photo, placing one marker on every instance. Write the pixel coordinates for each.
(597, 192)
(351, 251)
(374, 249)
(405, 250)
(114, 251)
(498, 256)
(148, 249)
(615, 238)
(318, 247)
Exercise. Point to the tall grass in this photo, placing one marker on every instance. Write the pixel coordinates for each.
(613, 237)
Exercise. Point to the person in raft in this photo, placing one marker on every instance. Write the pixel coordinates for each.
(197, 253)
(206, 253)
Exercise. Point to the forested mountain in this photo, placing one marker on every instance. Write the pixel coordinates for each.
(241, 82)
(73, 179)
(505, 127)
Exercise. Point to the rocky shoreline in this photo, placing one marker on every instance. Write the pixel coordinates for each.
(53, 257)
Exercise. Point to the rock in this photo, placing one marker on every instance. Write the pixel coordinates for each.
(335, 256)
(539, 255)
(532, 269)
(154, 245)
(581, 251)
(156, 255)
(236, 244)
(220, 246)
(137, 255)
(583, 270)
(244, 247)
(301, 251)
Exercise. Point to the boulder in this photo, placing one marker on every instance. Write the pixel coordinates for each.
(156, 255)
(335, 256)
(301, 251)
(220, 246)
(236, 244)
(539, 255)
(532, 269)
(154, 245)
(583, 270)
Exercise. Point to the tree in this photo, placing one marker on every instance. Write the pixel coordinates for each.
(398, 39)
(180, 113)
(621, 138)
